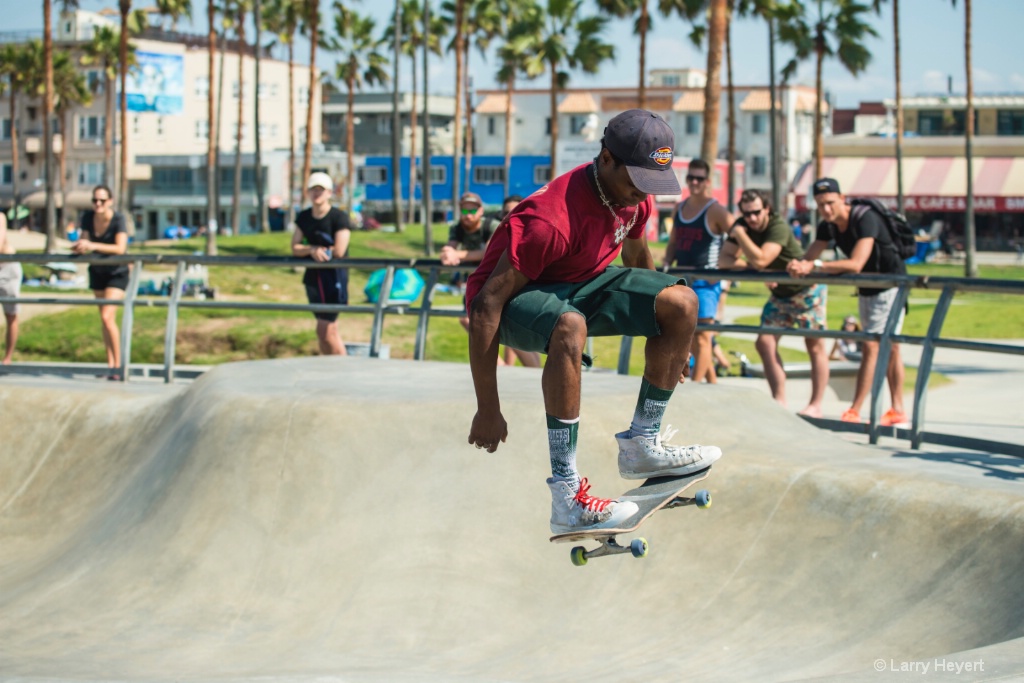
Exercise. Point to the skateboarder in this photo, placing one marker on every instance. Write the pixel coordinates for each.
(546, 283)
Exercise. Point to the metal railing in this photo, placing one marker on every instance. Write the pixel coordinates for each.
(426, 310)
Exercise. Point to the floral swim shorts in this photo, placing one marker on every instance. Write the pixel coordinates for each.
(805, 310)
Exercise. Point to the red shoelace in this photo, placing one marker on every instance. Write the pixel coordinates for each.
(589, 502)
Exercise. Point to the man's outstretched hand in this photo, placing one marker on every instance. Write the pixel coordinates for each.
(488, 430)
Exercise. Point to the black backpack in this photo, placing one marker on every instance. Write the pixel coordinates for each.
(900, 232)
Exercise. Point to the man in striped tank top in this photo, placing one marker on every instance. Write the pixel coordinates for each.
(699, 224)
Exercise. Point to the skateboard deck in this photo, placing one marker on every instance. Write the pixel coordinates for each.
(653, 495)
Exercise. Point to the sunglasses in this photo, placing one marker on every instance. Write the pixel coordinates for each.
(696, 178)
(100, 200)
(751, 214)
(469, 212)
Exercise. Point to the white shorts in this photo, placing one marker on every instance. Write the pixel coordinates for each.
(10, 284)
(874, 311)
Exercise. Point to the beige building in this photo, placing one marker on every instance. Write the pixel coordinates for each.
(168, 129)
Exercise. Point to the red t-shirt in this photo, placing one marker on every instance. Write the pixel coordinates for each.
(560, 233)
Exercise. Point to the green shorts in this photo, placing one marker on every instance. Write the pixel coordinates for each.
(619, 301)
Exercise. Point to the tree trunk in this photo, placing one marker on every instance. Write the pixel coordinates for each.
(314, 80)
(899, 105)
(819, 139)
(412, 146)
(428, 229)
(510, 87)
(396, 125)
(122, 58)
(290, 182)
(51, 209)
(212, 133)
(713, 88)
(774, 122)
(236, 196)
(350, 134)
(15, 161)
(220, 120)
(643, 25)
(261, 214)
(970, 265)
(62, 170)
(460, 68)
(554, 122)
(731, 117)
(468, 86)
(108, 126)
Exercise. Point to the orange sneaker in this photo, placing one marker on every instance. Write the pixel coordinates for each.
(850, 415)
(892, 418)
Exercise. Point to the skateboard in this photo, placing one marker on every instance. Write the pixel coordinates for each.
(653, 495)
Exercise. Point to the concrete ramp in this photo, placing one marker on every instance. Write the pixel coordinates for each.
(324, 519)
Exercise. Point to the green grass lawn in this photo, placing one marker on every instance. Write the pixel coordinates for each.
(216, 336)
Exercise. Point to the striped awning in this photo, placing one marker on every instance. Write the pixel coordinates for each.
(929, 183)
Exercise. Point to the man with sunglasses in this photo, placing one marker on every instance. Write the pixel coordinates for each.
(698, 225)
(546, 283)
(761, 240)
(468, 236)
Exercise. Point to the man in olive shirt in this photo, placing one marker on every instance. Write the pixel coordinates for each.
(763, 241)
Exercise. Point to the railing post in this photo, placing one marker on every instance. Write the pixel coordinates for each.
(128, 319)
(378, 314)
(882, 362)
(171, 331)
(924, 368)
(625, 350)
(424, 319)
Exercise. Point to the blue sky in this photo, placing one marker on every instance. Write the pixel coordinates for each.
(933, 50)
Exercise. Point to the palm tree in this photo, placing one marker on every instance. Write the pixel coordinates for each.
(311, 22)
(261, 214)
(523, 20)
(70, 90)
(396, 118)
(212, 133)
(718, 19)
(460, 67)
(970, 264)
(241, 8)
(483, 23)
(838, 31)
(102, 51)
(51, 208)
(571, 40)
(643, 25)
(362, 63)
(282, 18)
(14, 70)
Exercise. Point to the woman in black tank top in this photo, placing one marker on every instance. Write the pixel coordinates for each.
(105, 234)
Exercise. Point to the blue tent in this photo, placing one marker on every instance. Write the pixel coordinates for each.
(406, 288)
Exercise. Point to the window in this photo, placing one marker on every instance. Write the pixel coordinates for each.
(176, 178)
(1008, 122)
(90, 127)
(576, 123)
(202, 87)
(489, 175)
(693, 124)
(547, 126)
(160, 126)
(670, 80)
(245, 131)
(94, 79)
(929, 123)
(384, 124)
(90, 173)
(541, 174)
(759, 124)
(6, 174)
(372, 175)
(267, 90)
(136, 124)
(303, 94)
(759, 165)
(491, 124)
(5, 129)
(202, 129)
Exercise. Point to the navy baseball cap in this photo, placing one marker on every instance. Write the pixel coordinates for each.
(646, 144)
(826, 185)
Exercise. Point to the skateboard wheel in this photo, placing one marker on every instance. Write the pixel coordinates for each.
(703, 499)
(638, 546)
(578, 556)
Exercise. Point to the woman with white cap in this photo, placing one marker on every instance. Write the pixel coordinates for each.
(323, 234)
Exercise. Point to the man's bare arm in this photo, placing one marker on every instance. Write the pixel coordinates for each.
(636, 253)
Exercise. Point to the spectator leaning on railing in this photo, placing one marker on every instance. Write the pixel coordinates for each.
(870, 249)
(760, 239)
(10, 285)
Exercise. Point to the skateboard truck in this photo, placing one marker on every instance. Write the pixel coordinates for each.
(638, 546)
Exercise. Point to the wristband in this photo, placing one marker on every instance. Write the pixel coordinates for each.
(818, 264)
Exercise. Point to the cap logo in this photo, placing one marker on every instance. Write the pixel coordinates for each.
(662, 156)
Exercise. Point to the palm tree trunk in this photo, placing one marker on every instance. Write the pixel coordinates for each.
(773, 123)
(899, 105)
(122, 193)
(290, 182)
(819, 140)
(220, 120)
(396, 125)
(212, 134)
(236, 197)
(713, 89)
(468, 86)
(314, 21)
(554, 121)
(51, 209)
(460, 67)
(350, 135)
(62, 170)
(261, 215)
(15, 161)
(428, 228)
(731, 117)
(412, 146)
(970, 266)
(510, 87)
(642, 27)
(109, 123)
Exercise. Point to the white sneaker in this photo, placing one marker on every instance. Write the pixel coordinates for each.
(576, 511)
(642, 457)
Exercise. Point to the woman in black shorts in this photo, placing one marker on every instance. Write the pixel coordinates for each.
(104, 232)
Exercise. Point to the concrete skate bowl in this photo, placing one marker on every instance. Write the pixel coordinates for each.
(323, 519)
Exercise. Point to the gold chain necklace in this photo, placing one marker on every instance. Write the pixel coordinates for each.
(623, 229)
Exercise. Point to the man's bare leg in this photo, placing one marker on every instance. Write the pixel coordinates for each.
(703, 363)
(562, 373)
(11, 335)
(768, 348)
(866, 373)
(896, 374)
(819, 375)
(675, 310)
